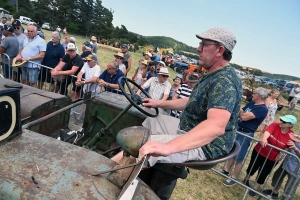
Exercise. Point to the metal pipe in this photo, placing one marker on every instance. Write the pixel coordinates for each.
(96, 138)
(32, 123)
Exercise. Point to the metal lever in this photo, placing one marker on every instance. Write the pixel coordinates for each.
(116, 169)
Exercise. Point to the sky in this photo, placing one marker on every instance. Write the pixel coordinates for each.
(267, 31)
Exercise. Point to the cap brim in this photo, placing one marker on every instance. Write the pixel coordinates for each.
(286, 119)
(71, 49)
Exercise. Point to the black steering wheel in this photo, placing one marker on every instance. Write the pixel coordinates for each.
(134, 98)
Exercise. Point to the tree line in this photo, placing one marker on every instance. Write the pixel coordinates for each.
(81, 17)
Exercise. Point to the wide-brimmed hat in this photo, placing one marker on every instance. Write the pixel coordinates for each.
(161, 62)
(18, 63)
(93, 38)
(149, 54)
(289, 118)
(119, 54)
(145, 62)
(192, 78)
(164, 71)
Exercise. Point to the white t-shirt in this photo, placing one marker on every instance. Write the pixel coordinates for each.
(293, 94)
(297, 95)
(90, 73)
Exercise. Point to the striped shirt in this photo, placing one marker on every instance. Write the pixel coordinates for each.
(183, 92)
(290, 163)
(157, 90)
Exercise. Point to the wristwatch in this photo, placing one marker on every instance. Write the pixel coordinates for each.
(83, 82)
(106, 84)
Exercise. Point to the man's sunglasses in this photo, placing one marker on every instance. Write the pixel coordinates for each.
(283, 121)
(165, 76)
(17, 27)
(118, 57)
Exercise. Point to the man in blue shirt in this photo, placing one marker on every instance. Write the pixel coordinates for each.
(109, 78)
(54, 54)
(250, 117)
(33, 50)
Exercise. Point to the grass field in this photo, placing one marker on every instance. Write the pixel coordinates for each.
(199, 184)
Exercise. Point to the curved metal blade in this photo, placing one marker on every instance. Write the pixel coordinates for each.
(134, 174)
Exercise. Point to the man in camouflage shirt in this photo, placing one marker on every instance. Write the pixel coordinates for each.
(207, 126)
(208, 123)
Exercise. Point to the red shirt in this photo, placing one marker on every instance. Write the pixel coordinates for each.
(277, 138)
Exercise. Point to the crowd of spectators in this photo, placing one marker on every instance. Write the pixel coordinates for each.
(64, 66)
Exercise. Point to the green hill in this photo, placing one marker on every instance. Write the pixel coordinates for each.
(167, 42)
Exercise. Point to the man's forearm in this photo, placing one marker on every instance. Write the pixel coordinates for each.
(92, 80)
(38, 57)
(202, 134)
(113, 86)
(177, 104)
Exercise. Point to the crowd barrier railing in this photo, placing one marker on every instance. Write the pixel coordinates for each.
(285, 194)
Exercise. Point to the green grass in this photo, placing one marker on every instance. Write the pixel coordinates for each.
(199, 184)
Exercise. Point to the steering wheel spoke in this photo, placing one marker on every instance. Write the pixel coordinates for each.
(134, 98)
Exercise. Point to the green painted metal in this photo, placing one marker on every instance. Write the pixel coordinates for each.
(107, 106)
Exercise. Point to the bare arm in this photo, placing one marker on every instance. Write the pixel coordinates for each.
(140, 91)
(36, 57)
(68, 72)
(177, 104)
(175, 96)
(102, 83)
(1, 49)
(202, 134)
(129, 64)
(246, 116)
(79, 76)
(60, 65)
(165, 97)
(144, 74)
(264, 138)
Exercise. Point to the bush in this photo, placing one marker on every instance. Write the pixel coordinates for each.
(73, 28)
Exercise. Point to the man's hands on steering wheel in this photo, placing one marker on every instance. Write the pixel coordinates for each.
(134, 98)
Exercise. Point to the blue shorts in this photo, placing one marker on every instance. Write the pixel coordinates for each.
(245, 143)
(30, 74)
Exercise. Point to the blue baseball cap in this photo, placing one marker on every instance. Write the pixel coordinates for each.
(289, 118)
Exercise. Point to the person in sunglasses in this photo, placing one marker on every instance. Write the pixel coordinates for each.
(159, 87)
(207, 125)
(263, 157)
(18, 33)
(289, 168)
(119, 59)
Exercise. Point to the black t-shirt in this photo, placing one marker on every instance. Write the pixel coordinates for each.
(76, 61)
(125, 60)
